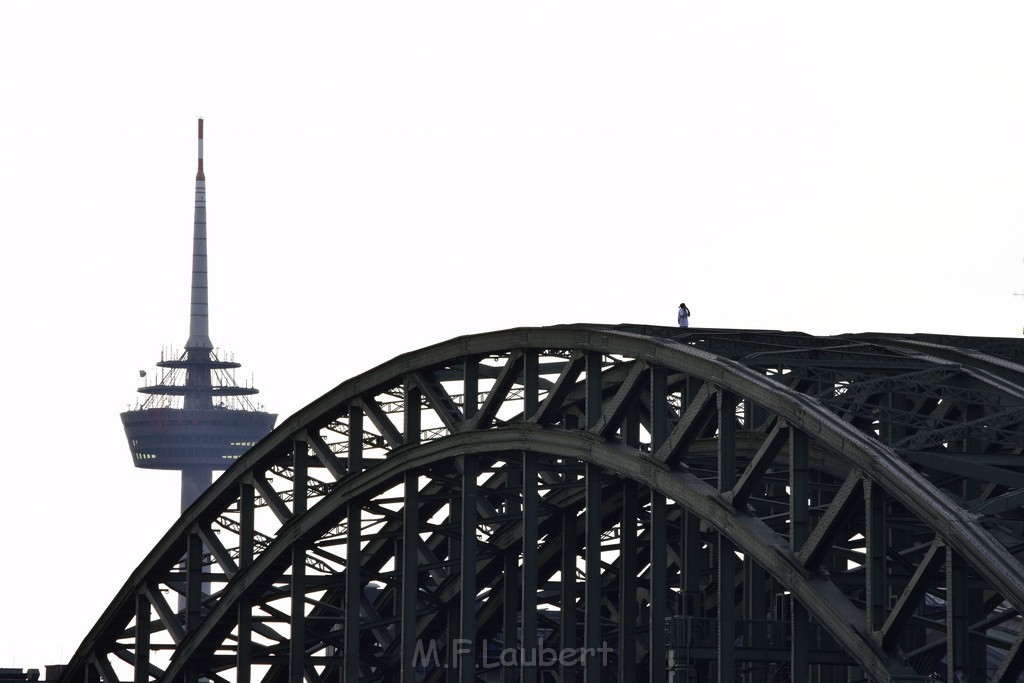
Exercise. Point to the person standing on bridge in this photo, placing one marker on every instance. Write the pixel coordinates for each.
(684, 316)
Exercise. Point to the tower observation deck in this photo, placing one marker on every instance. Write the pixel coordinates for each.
(195, 418)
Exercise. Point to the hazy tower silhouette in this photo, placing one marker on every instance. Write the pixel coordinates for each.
(195, 418)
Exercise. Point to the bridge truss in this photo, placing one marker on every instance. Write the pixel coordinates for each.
(595, 503)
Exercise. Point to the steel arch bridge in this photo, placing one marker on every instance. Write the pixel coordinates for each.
(601, 503)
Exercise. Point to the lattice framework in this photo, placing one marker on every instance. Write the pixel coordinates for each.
(638, 499)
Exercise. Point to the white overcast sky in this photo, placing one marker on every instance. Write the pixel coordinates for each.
(382, 176)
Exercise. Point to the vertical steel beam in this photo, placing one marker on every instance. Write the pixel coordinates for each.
(413, 413)
(193, 582)
(631, 434)
(510, 610)
(510, 577)
(659, 586)
(659, 407)
(410, 541)
(727, 402)
(657, 657)
(531, 383)
(631, 430)
(692, 555)
(799, 490)
(297, 638)
(875, 573)
(756, 415)
(726, 566)
(353, 555)
(895, 427)
(799, 530)
(569, 616)
(355, 439)
(592, 588)
(300, 479)
(246, 537)
(409, 574)
(976, 647)
(456, 642)
(799, 655)
(627, 581)
(193, 594)
(958, 666)
(142, 619)
(465, 650)
(593, 388)
(471, 387)
(755, 610)
(531, 520)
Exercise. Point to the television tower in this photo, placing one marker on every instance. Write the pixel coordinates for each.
(195, 418)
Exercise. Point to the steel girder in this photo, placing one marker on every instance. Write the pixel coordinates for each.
(608, 503)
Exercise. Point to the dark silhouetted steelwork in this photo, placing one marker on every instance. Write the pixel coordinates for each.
(605, 503)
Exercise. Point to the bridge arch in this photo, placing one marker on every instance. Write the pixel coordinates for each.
(711, 502)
